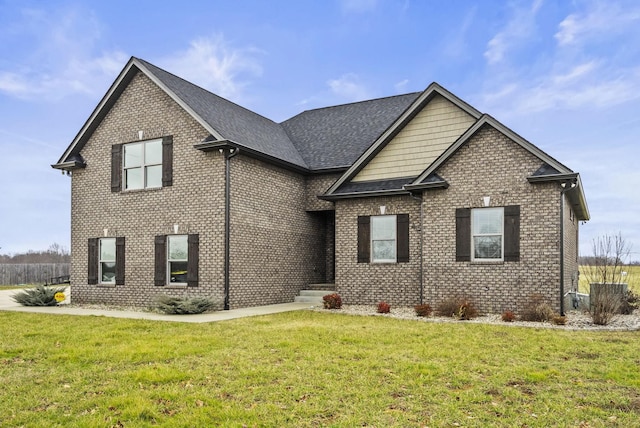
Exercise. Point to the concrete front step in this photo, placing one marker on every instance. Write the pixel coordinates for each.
(312, 296)
(322, 286)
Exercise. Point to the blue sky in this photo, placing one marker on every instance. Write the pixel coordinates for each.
(563, 74)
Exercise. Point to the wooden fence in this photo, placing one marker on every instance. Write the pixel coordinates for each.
(31, 273)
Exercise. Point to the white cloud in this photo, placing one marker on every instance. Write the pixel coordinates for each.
(63, 61)
(519, 28)
(600, 19)
(402, 85)
(215, 65)
(349, 87)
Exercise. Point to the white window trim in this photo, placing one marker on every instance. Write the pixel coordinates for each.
(169, 260)
(473, 235)
(101, 260)
(143, 165)
(395, 239)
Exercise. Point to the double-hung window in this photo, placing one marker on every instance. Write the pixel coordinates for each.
(107, 262)
(177, 259)
(487, 225)
(383, 239)
(142, 166)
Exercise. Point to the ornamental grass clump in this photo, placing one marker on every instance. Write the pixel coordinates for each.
(332, 301)
(183, 305)
(537, 310)
(40, 295)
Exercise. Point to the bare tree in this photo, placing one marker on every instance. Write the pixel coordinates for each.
(606, 265)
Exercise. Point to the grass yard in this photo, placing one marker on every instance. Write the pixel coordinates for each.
(308, 369)
(632, 278)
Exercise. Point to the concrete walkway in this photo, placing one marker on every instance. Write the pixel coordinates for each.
(7, 304)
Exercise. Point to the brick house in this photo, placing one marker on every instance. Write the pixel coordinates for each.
(407, 199)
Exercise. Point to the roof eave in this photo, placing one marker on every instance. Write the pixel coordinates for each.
(351, 195)
(208, 146)
(69, 166)
(426, 186)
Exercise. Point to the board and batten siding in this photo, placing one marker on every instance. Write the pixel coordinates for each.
(419, 143)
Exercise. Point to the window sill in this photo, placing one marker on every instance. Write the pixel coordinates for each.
(148, 189)
(177, 286)
(106, 285)
(487, 262)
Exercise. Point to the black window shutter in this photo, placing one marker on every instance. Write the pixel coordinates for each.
(167, 161)
(512, 233)
(402, 236)
(364, 237)
(116, 167)
(120, 260)
(463, 234)
(92, 261)
(160, 270)
(193, 242)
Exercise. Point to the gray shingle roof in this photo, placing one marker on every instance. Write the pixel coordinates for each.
(232, 121)
(334, 137)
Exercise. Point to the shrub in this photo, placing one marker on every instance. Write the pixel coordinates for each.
(630, 303)
(457, 307)
(332, 301)
(466, 311)
(384, 308)
(537, 309)
(183, 305)
(40, 295)
(606, 303)
(423, 310)
(559, 319)
(508, 316)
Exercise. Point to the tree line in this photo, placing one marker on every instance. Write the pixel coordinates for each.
(56, 253)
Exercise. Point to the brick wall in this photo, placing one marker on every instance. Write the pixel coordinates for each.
(492, 165)
(488, 165)
(195, 201)
(277, 248)
(318, 185)
(370, 283)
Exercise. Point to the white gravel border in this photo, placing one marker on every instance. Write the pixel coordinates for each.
(576, 320)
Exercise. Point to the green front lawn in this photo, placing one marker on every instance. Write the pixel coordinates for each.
(312, 369)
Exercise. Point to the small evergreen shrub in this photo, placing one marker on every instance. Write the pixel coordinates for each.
(40, 295)
(508, 316)
(332, 301)
(423, 310)
(537, 310)
(183, 305)
(384, 308)
(559, 320)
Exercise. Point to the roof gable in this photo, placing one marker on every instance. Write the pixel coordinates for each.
(438, 124)
(433, 90)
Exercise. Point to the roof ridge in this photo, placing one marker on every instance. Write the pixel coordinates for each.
(353, 103)
(147, 63)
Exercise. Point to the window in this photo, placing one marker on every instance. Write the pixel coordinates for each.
(177, 259)
(107, 262)
(383, 239)
(143, 165)
(487, 233)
